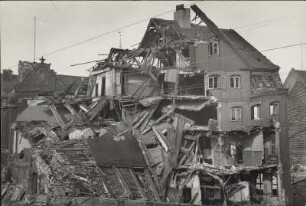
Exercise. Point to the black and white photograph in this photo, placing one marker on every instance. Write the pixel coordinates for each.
(142, 103)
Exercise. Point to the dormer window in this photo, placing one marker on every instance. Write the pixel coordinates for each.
(274, 108)
(235, 81)
(213, 48)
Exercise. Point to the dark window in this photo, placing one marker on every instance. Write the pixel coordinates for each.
(213, 82)
(103, 87)
(255, 112)
(259, 185)
(273, 149)
(274, 182)
(213, 48)
(274, 108)
(96, 90)
(235, 81)
(235, 113)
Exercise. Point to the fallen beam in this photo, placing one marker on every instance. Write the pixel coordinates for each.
(57, 116)
(165, 144)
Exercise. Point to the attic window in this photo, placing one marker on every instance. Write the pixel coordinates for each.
(213, 48)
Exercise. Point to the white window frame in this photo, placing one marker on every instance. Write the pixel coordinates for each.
(215, 82)
(236, 113)
(236, 81)
(274, 108)
(255, 110)
(213, 48)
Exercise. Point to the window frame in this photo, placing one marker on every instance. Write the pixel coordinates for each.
(274, 185)
(236, 84)
(236, 113)
(274, 109)
(259, 183)
(255, 115)
(213, 48)
(215, 81)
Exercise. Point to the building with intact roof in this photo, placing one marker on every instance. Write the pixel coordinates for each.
(296, 84)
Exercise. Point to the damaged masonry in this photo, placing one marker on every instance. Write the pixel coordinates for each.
(172, 121)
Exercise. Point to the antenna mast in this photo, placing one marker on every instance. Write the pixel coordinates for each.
(120, 44)
(34, 57)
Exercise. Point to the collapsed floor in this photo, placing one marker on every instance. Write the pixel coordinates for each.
(148, 150)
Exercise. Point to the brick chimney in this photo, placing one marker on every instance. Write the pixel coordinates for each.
(182, 16)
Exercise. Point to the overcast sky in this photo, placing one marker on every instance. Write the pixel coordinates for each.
(61, 24)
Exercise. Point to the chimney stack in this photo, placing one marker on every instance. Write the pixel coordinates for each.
(182, 16)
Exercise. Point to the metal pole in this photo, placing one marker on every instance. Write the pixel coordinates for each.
(34, 39)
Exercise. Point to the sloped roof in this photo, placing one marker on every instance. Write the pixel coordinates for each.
(254, 58)
(263, 82)
(42, 113)
(70, 83)
(295, 76)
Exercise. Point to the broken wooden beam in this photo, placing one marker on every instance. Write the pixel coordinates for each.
(151, 183)
(72, 111)
(152, 111)
(158, 120)
(139, 116)
(57, 116)
(141, 190)
(165, 144)
(84, 108)
(124, 184)
(79, 87)
(141, 120)
(47, 133)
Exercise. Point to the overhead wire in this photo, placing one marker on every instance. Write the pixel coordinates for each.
(121, 28)
(106, 33)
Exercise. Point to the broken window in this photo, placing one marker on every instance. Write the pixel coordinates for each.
(213, 48)
(259, 185)
(235, 113)
(255, 112)
(213, 82)
(274, 184)
(103, 87)
(274, 108)
(96, 90)
(235, 81)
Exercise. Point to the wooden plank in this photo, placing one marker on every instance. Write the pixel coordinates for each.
(84, 108)
(148, 159)
(57, 116)
(72, 110)
(47, 133)
(159, 120)
(124, 184)
(143, 126)
(165, 144)
(141, 190)
(79, 87)
(186, 154)
(149, 179)
(141, 120)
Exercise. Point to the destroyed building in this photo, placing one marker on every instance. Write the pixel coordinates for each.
(194, 115)
(34, 79)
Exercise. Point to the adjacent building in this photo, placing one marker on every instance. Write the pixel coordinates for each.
(296, 85)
